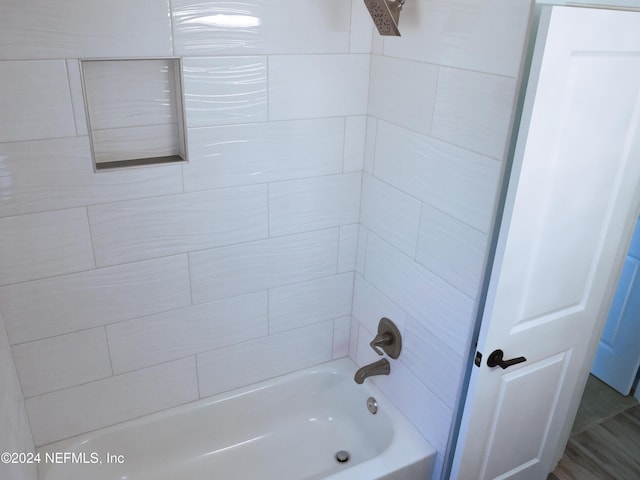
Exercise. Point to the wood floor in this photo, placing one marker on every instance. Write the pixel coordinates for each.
(607, 451)
(603, 447)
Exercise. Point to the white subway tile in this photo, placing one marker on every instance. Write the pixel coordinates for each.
(370, 144)
(354, 143)
(225, 90)
(305, 303)
(452, 250)
(439, 307)
(63, 361)
(308, 86)
(361, 250)
(125, 93)
(403, 92)
(167, 336)
(148, 228)
(77, 96)
(263, 152)
(235, 270)
(486, 36)
(473, 110)
(361, 28)
(432, 362)
(42, 245)
(370, 305)
(377, 43)
(58, 174)
(261, 26)
(14, 424)
(80, 409)
(254, 361)
(348, 248)
(341, 336)
(353, 339)
(391, 214)
(34, 100)
(364, 353)
(96, 297)
(314, 203)
(132, 143)
(430, 415)
(459, 182)
(84, 28)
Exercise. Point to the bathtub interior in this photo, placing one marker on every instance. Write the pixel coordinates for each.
(285, 428)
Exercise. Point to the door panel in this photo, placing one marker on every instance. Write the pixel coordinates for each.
(559, 268)
(618, 356)
(571, 200)
(512, 420)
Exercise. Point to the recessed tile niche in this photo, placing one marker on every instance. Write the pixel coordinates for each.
(134, 111)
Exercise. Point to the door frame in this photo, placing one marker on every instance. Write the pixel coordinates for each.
(524, 83)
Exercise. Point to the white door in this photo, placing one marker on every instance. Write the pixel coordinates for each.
(618, 355)
(573, 196)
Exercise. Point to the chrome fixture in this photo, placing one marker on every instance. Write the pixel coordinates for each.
(381, 367)
(342, 456)
(388, 338)
(372, 405)
(385, 15)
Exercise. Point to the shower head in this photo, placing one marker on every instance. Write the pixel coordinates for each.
(385, 14)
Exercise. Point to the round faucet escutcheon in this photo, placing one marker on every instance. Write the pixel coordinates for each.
(342, 456)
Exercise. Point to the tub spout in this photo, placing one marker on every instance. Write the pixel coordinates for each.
(381, 367)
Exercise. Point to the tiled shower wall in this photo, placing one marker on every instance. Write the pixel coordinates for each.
(440, 106)
(14, 425)
(130, 291)
(127, 292)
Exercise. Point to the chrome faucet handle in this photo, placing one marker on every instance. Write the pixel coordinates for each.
(381, 340)
(387, 339)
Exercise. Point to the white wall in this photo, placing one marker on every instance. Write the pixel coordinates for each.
(121, 289)
(16, 433)
(440, 105)
(131, 285)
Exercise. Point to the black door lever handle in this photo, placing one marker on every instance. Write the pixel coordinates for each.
(495, 360)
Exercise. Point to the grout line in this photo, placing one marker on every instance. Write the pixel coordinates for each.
(400, 252)
(190, 279)
(93, 247)
(73, 106)
(133, 127)
(350, 25)
(269, 210)
(115, 375)
(333, 337)
(172, 255)
(268, 89)
(344, 143)
(452, 67)
(195, 356)
(184, 190)
(338, 250)
(149, 315)
(46, 139)
(437, 139)
(171, 29)
(375, 128)
(435, 101)
(5, 332)
(268, 291)
(415, 250)
(390, 185)
(106, 339)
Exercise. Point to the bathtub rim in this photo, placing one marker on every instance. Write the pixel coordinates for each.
(407, 443)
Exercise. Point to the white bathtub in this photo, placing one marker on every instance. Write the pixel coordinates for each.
(287, 428)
